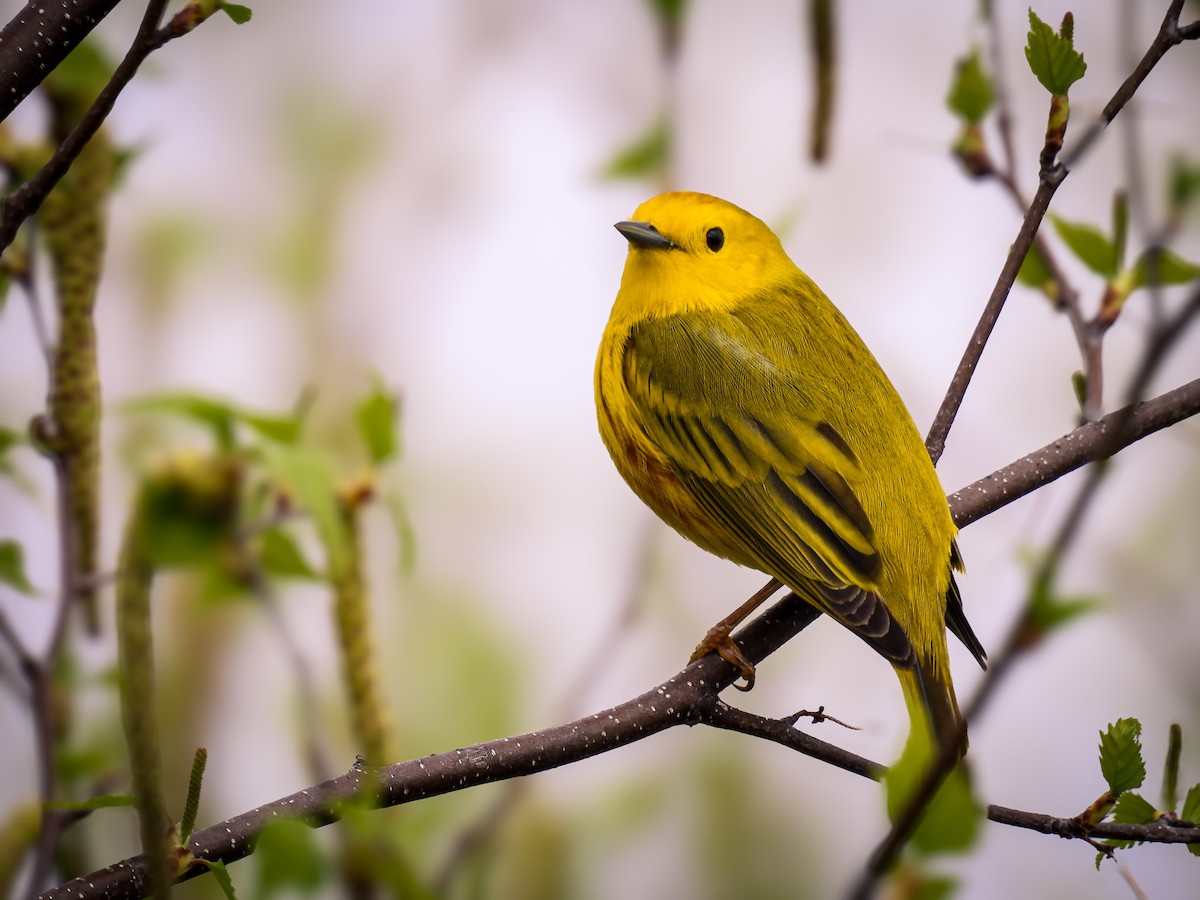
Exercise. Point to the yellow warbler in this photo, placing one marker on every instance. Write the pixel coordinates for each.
(740, 405)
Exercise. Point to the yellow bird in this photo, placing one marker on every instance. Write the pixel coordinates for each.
(739, 404)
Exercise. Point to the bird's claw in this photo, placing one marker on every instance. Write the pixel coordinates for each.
(718, 640)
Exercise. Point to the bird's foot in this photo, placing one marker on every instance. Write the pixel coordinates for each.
(718, 640)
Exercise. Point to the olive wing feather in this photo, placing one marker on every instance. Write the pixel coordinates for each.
(709, 390)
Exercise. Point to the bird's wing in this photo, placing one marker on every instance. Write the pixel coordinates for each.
(737, 428)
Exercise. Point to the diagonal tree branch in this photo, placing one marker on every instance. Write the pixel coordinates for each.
(689, 698)
(1071, 451)
(38, 38)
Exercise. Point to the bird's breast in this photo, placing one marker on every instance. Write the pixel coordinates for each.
(642, 464)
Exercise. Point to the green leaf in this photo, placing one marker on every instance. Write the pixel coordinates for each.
(240, 14)
(934, 887)
(1191, 813)
(88, 763)
(288, 857)
(669, 12)
(104, 801)
(220, 416)
(284, 429)
(12, 568)
(376, 417)
(308, 477)
(189, 509)
(1048, 612)
(646, 156)
(1183, 183)
(1170, 791)
(1034, 271)
(221, 874)
(9, 439)
(213, 414)
(1133, 809)
(951, 820)
(1165, 267)
(972, 92)
(406, 535)
(372, 852)
(1079, 387)
(1052, 57)
(1191, 805)
(1090, 244)
(281, 557)
(84, 72)
(1121, 756)
(1120, 226)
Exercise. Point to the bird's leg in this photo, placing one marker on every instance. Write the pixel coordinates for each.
(718, 638)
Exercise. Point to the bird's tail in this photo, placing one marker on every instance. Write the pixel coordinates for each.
(932, 708)
(951, 817)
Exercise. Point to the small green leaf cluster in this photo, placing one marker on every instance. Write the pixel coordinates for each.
(1105, 255)
(1052, 56)
(646, 156)
(1124, 770)
(971, 97)
(235, 512)
(12, 568)
(1047, 611)
(972, 92)
(1055, 63)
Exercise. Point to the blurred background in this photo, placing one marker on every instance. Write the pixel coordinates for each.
(422, 192)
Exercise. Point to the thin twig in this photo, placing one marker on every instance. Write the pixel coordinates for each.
(935, 442)
(26, 661)
(1169, 34)
(1131, 143)
(1004, 118)
(1160, 832)
(22, 203)
(37, 316)
(41, 684)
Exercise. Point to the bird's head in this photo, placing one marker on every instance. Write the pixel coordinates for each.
(690, 251)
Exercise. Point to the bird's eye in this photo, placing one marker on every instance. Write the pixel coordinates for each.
(715, 239)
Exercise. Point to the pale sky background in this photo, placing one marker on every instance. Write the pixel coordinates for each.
(474, 267)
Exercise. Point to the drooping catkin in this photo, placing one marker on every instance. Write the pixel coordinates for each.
(73, 225)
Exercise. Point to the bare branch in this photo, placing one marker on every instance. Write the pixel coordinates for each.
(935, 441)
(1071, 451)
(1163, 831)
(20, 204)
(37, 39)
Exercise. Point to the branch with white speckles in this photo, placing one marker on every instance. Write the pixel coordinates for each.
(1088, 443)
(689, 698)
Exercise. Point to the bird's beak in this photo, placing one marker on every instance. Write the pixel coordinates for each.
(643, 234)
